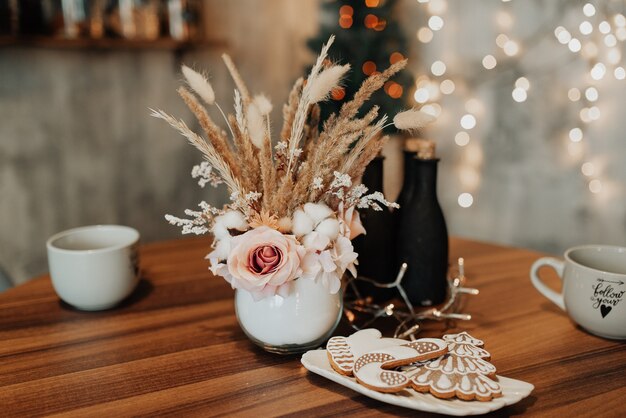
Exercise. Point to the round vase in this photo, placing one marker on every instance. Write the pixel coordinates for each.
(297, 323)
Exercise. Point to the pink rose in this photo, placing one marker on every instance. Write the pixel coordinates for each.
(264, 262)
(351, 225)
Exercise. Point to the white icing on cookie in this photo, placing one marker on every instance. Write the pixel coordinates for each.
(369, 369)
(463, 372)
(343, 351)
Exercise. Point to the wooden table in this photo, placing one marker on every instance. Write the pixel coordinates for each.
(175, 348)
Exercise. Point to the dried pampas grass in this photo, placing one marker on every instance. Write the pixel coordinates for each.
(412, 120)
(199, 84)
(308, 164)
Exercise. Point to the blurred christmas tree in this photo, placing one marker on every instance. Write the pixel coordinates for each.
(370, 39)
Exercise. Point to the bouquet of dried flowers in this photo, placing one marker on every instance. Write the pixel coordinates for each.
(293, 210)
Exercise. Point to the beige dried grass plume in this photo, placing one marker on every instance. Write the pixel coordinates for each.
(271, 183)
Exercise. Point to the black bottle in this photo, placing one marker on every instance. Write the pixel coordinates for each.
(376, 248)
(422, 233)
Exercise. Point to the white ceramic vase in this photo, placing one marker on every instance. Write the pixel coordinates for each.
(294, 324)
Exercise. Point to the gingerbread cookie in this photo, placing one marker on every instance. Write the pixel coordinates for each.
(463, 372)
(372, 369)
(343, 351)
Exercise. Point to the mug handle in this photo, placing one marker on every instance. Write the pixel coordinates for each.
(557, 265)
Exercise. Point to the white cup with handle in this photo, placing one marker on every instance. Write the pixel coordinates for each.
(594, 287)
(94, 267)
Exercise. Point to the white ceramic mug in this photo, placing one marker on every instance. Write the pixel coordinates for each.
(94, 267)
(594, 287)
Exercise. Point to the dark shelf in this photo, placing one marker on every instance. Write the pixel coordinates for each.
(107, 43)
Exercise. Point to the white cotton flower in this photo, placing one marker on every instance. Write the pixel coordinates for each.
(302, 223)
(412, 119)
(263, 103)
(221, 249)
(329, 227)
(315, 241)
(317, 211)
(220, 231)
(284, 225)
(199, 84)
(233, 219)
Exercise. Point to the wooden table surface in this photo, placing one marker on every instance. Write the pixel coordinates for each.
(174, 348)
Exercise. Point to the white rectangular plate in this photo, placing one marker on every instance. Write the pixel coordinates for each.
(513, 391)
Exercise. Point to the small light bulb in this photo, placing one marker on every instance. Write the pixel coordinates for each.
(620, 34)
(588, 169)
(589, 10)
(619, 20)
(468, 121)
(594, 113)
(604, 27)
(447, 86)
(563, 36)
(425, 35)
(519, 94)
(585, 27)
(610, 40)
(438, 68)
(501, 40)
(511, 48)
(575, 135)
(489, 62)
(462, 138)
(619, 73)
(465, 200)
(574, 45)
(614, 56)
(598, 71)
(573, 94)
(504, 19)
(595, 186)
(437, 7)
(435, 23)
(584, 115)
(421, 95)
(522, 83)
(474, 106)
(591, 94)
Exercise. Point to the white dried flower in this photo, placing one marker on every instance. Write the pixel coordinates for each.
(199, 84)
(252, 196)
(281, 146)
(318, 183)
(263, 103)
(412, 119)
(326, 81)
(204, 173)
(340, 181)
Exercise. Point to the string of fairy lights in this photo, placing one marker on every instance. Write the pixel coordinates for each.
(597, 40)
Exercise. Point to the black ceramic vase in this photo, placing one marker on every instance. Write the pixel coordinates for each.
(422, 235)
(376, 248)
